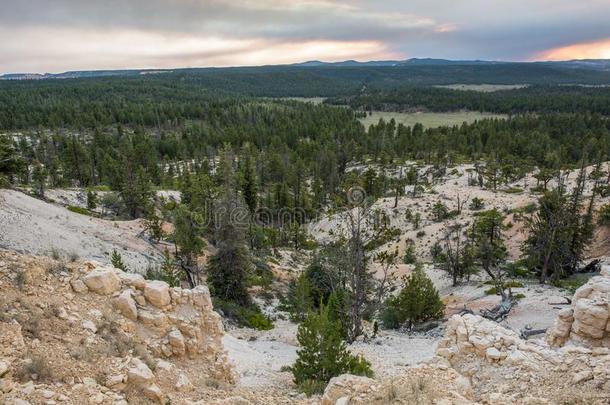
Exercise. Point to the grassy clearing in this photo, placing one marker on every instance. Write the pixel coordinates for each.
(428, 119)
(484, 88)
(312, 100)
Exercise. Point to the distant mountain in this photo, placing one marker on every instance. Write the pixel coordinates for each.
(80, 74)
(419, 65)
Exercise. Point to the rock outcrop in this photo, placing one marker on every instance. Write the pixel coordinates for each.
(484, 351)
(424, 384)
(86, 333)
(587, 321)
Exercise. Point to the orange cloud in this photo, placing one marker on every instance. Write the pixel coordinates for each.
(586, 50)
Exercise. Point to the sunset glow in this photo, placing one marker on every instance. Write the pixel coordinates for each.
(591, 50)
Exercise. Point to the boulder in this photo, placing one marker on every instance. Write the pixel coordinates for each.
(3, 368)
(183, 383)
(133, 280)
(587, 321)
(103, 281)
(126, 305)
(153, 392)
(138, 373)
(157, 293)
(345, 386)
(176, 341)
(78, 286)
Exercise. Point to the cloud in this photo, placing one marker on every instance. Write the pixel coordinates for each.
(587, 50)
(43, 35)
(117, 49)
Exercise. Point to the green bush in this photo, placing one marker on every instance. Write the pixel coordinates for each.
(513, 190)
(323, 354)
(477, 204)
(603, 215)
(117, 261)
(507, 284)
(250, 317)
(410, 255)
(571, 284)
(418, 301)
(79, 210)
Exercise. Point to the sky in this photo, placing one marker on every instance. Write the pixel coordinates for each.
(60, 35)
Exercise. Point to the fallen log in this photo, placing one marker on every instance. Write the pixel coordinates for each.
(526, 333)
(499, 312)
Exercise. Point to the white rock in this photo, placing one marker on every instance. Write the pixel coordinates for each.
(139, 373)
(582, 376)
(154, 392)
(90, 326)
(48, 394)
(126, 305)
(176, 341)
(157, 293)
(133, 279)
(78, 286)
(103, 281)
(3, 367)
(183, 383)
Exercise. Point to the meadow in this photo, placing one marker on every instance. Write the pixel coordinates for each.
(484, 88)
(428, 119)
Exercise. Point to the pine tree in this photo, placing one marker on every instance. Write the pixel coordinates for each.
(228, 269)
(91, 200)
(418, 301)
(323, 354)
(117, 260)
(188, 242)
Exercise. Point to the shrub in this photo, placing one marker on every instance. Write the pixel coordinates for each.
(410, 257)
(440, 211)
(476, 204)
(168, 272)
(79, 210)
(250, 317)
(507, 284)
(603, 215)
(418, 301)
(513, 190)
(323, 354)
(117, 261)
(571, 284)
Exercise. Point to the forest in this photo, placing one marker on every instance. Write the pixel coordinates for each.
(283, 162)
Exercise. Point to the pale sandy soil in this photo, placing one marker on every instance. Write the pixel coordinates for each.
(33, 226)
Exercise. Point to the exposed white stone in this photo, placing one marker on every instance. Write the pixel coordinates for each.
(157, 293)
(102, 281)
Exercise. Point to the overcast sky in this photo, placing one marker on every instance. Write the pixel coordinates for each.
(60, 35)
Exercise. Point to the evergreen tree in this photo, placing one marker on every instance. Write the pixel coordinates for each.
(418, 301)
(188, 242)
(323, 354)
(228, 269)
(117, 260)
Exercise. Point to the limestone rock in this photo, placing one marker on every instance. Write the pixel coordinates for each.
(3, 368)
(154, 393)
(126, 305)
(346, 385)
(133, 280)
(587, 321)
(89, 325)
(103, 281)
(176, 341)
(78, 286)
(183, 383)
(138, 373)
(157, 293)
